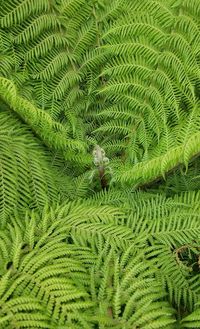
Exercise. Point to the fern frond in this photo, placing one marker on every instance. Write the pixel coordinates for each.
(26, 177)
(20, 10)
(40, 121)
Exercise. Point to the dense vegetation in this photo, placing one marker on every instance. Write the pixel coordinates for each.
(99, 164)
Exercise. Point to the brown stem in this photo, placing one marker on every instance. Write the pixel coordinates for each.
(103, 180)
(110, 312)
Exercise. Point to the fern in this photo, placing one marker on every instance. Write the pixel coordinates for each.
(59, 265)
(27, 179)
(122, 76)
(48, 285)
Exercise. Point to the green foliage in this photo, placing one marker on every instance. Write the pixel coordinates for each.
(83, 264)
(109, 242)
(118, 75)
(27, 178)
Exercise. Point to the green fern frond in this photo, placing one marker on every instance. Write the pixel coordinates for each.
(40, 121)
(20, 10)
(192, 320)
(26, 177)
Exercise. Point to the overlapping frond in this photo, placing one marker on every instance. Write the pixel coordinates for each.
(27, 179)
(126, 71)
(123, 75)
(52, 133)
(87, 265)
(51, 291)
